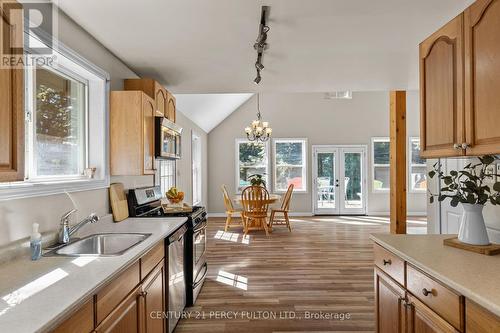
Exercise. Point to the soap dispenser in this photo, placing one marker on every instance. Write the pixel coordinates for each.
(36, 243)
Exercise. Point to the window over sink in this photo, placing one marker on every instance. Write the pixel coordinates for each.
(66, 124)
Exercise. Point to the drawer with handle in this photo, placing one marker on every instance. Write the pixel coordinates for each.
(390, 263)
(436, 296)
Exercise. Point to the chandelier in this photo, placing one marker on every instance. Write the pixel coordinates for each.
(259, 130)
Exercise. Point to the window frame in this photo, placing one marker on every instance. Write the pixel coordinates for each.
(195, 137)
(304, 142)
(162, 164)
(410, 165)
(97, 132)
(237, 163)
(373, 165)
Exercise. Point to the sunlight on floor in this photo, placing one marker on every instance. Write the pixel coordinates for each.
(233, 280)
(232, 237)
(18, 296)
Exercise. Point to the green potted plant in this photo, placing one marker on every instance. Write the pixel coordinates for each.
(257, 180)
(473, 187)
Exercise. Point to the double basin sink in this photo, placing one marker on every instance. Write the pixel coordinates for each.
(103, 245)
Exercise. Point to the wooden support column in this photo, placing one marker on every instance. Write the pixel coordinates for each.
(398, 161)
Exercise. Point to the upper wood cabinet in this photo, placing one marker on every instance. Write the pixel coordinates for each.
(441, 91)
(164, 100)
(459, 85)
(482, 77)
(171, 108)
(11, 97)
(132, 133)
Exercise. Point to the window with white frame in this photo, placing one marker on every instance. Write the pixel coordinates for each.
(167, 174)
(66, 125)
(290, 164)
(381, 164)
(252, 158)
(417, 166)
(196, 160)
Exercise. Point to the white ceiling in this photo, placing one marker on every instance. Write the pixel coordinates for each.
(206, 46)
(208, 110)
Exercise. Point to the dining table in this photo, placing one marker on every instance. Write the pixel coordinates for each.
(273, 198)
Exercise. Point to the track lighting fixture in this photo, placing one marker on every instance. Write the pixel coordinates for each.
(260, 44)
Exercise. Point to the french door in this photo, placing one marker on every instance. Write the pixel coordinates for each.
(339, 180)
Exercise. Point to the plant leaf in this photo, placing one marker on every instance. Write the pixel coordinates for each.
(431, 199)
(432, 173)
(487, 159)
(454, 202)
(496, 186)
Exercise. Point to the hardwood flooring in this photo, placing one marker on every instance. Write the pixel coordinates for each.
(257, 284)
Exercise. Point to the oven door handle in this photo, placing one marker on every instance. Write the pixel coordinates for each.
(201, 226)
(200, 281)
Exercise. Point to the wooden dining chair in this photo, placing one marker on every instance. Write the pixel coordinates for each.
(285, 207)
(255, 202)
(230, 211)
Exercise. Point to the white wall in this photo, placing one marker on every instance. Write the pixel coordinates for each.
(16, 216)
(322, 121)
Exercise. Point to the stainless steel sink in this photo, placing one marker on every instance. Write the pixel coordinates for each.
(106, 244)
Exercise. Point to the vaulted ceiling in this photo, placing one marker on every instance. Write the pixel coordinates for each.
(206, 46)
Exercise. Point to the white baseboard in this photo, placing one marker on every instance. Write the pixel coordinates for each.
(388, 214)
(306, 214)
(301, 214)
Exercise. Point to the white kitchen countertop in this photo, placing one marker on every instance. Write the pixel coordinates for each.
(34, 295)
(476, 276)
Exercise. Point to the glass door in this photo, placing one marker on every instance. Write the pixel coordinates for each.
(325, 181)
(339, 180)
(353, 180)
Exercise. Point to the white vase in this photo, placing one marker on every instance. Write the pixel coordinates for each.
(472, 227)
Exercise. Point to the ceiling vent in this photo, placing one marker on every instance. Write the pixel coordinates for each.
(343, 94)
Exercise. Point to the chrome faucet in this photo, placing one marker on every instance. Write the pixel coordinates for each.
(65, 231)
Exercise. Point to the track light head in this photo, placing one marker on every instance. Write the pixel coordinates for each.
(259, 66)
(258, 78)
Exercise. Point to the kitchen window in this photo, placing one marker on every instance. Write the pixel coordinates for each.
(167, 175)
(66, 125)
(417, 167)
(381, 164)
(196, 160)
(290, 164)
(252, 158)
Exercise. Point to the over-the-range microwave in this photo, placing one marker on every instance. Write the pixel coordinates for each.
(167, 139)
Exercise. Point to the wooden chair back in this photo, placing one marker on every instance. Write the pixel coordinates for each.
(255, 200)
(227, 200)
(285, 203)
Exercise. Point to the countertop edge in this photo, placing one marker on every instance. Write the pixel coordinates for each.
(467, 293)
(65, 314)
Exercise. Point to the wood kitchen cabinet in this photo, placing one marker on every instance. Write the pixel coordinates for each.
(480, 320)
(164, 100)
(153, 293)
(421, 319)
(127, 302)
(11, 95)
(132, 133)
(171, 108)
(482, 77)
(389, 304)
(441, 91)
(459, 84)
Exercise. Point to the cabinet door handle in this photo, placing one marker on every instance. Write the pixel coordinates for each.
(456, 146)
(465, 145)
(387, 262)
(427, 292)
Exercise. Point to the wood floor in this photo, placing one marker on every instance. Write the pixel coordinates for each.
(322, 268)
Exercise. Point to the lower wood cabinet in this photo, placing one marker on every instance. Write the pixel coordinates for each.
(410, 300)
(126, 317)
(389, 304)
(129, 303)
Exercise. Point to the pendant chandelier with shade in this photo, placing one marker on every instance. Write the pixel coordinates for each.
(258, 130)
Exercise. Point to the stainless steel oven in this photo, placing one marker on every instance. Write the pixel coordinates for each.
(167, 139)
